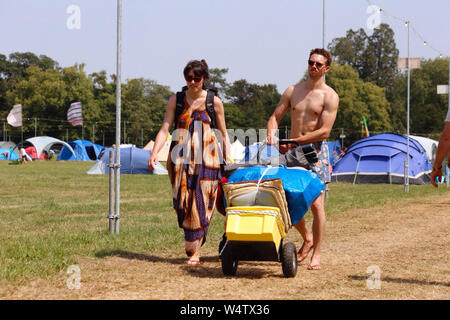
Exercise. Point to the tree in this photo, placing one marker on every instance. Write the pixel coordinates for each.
(381, 57)
(427, 108)
(47, 94)
(256, 102)
(358, 98)
(217, 79)
(350, 49)
(144, 105)
(374, 57)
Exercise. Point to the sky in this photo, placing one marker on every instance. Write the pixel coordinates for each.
(262, 41)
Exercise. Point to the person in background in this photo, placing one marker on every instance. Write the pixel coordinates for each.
(23, 155)
(443, 151)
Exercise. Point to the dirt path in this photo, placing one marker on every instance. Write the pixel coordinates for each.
(408, 243)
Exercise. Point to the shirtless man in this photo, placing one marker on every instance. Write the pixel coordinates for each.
(313, 107)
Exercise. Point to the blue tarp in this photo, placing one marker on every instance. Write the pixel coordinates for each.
(8, 154)
(84, 151)
(381, 159)
(132, 161)
(301, 187)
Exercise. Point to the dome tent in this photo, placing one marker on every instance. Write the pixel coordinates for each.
(132, 161)
(381, 159)
(8, 154)
(43, 143)
(84, 150)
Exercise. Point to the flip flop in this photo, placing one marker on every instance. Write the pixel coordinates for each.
(314, 267)
(301, 251)
(194, 262)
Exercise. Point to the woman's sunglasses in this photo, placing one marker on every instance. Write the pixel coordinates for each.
(190, 78)
(318, 64)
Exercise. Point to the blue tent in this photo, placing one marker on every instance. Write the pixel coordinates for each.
(84, 151)
(132, 161)
(381, 159)
(8, 154)
(334, 150)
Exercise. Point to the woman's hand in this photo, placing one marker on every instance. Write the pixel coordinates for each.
(152, 161)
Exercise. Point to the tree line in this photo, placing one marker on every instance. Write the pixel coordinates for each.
(364, 74)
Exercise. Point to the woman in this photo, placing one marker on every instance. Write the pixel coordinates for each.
(194, 157)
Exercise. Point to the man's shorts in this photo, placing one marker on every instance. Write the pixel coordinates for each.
(322, 167)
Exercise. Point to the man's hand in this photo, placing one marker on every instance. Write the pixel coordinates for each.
(271, 139)
(436, 173)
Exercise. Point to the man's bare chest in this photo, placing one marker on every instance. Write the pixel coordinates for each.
(307, 103)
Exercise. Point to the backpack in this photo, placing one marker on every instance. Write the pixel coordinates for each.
(211, 93)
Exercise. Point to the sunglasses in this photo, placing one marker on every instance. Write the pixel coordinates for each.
(318, 64)
(190, 78)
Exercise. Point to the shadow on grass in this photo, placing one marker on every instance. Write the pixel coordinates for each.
(147, 257)
(404, 281)
(247, 270)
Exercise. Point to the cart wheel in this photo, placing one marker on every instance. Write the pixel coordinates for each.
(229, 265)
(289, 260)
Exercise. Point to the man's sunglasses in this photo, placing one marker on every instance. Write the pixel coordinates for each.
(190, 78)
(318, 64)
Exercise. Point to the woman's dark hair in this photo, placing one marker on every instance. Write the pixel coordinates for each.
(200, 69)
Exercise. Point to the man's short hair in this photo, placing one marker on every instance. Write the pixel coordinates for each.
(322, 52)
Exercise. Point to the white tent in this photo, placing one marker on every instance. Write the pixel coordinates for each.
(164, 152)
(237, 151)
(149, 146)
(45, 143)
(429, 145)
(7, 144)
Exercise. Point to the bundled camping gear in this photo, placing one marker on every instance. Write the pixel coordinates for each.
(262, 203)
(299, 156)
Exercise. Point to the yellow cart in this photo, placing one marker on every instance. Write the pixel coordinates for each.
(257, 232)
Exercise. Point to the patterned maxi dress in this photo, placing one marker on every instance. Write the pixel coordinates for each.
(194, 171)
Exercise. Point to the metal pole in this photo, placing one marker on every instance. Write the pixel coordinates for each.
(118, 106)
(35, 127)
(407, 123)
(323, 24)
(323, 30)
(111, 192)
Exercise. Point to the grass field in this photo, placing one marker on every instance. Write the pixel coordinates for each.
(52, 215)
